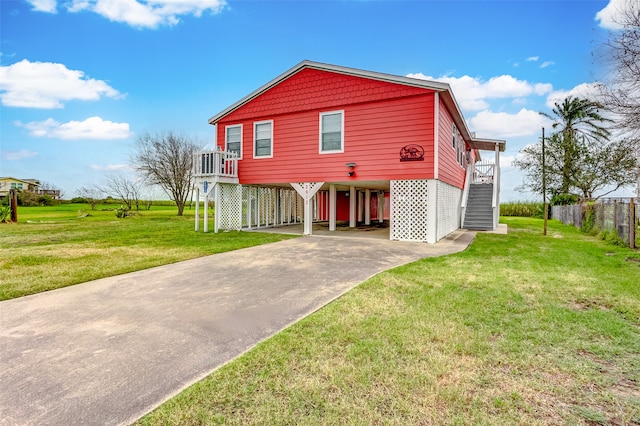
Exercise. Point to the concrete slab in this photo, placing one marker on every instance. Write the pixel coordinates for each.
(108, 351)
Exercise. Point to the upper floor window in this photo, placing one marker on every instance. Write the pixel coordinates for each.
(16, 185)
(332, 132)
(454, 132)
(233, 139)
(263, 139)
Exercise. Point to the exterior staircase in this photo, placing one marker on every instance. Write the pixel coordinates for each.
(479, 213)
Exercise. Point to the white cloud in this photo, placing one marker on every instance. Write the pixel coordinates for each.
(611, 16)
(18, 155)
(546, 64)
(501, 124)
(46, 85)
(91, 128)
(507, 160)
(109, 167)
(584, 90)
(533, 58)
(471, 92)
(48, 6)
(147, 13)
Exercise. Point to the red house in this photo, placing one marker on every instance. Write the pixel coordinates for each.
(326, 143)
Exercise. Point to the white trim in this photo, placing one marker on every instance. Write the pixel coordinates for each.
(226, 136)
(255, 124)
(336, 151)
(436, 135)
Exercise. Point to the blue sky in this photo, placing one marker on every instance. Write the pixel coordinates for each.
(80, 80)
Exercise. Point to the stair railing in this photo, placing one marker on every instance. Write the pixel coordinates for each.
(465, 193)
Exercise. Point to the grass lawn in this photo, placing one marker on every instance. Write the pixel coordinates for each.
(518, 329)
(57, 246)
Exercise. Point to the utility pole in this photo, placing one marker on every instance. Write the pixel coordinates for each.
(544, 187)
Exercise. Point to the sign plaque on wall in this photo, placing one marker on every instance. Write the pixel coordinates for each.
(412, 152)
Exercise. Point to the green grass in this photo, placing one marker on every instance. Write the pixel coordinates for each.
(517, 329)
(58, 246)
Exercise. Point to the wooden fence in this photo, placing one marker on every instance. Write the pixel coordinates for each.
(618, 215)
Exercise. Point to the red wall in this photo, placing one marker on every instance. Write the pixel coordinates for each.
(380, 118)
(449, 170)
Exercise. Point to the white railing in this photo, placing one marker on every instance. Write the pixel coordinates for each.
(465, 193)
(215, 163)
(483, 172)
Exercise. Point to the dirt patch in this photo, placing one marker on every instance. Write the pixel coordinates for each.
(626, 388)
(585, 304)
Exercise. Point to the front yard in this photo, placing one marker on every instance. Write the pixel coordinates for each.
(518, 329)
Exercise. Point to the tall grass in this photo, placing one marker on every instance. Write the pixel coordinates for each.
(522, 209)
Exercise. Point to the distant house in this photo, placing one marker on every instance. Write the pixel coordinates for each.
(326, 143)
(31, 185)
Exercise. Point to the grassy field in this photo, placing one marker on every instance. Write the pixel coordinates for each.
(518, 329)
(57, 246)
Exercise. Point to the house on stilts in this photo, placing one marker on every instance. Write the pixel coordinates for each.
(344, 146)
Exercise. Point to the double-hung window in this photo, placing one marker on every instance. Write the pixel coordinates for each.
(332, 132)
(233, 139)
(263, 139)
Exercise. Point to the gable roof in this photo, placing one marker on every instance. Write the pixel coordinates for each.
(442, 88)
(28, 181)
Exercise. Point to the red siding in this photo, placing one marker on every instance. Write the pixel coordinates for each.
(312, 89)
(449, 170)
(379, 119)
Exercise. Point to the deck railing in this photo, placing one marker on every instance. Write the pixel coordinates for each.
(483, 172)
(215, 163)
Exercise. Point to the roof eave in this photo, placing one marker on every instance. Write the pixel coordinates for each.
(487, 144)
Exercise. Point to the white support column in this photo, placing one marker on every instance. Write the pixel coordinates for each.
(197, 208)
(307, 190)
(332, 207)
(206, 212)
(367, 207)
(216, 207)
(352, 207)
(249, 202)
(432, 208)
(360, 214)
(381, 206)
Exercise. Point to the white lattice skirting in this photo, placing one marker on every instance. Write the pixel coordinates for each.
(449, 199)
(229, 214)
(423, 210)
(410, 210)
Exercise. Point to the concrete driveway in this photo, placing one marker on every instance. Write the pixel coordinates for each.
(108, 351)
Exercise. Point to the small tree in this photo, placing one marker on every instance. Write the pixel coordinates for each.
(165, 159)
(91, 194)
(124, 188)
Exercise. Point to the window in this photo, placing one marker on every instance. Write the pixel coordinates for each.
(233, 139)
(331, 132)
(16, 185)
(454, 130)
(263, 139)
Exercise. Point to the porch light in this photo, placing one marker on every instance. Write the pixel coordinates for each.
(351, 167)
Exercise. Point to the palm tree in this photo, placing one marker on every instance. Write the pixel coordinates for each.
(578, 122)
